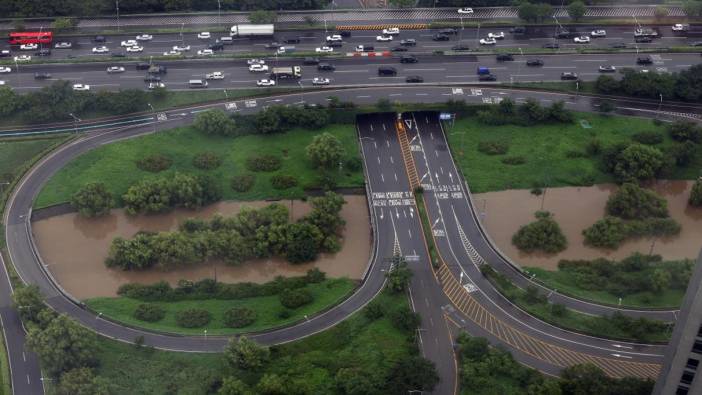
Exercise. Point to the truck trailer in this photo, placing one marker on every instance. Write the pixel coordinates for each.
(251, 30)
(286, 72)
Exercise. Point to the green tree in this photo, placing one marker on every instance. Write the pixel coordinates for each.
(262, 16)
(584, 379)
(215, 122)
(28, 302)
(82, 381)
(402, 3)
(631, 201)
(405, 319)
(606, 84)
(9, 101)
(693, 7)
(608, 232)
(303, 242)
(576, 10)
(543, 234)
(233, 386)
(325, 151)
(685, 130)
(661, 12)
(268, 121)
(357, 381)
(412, 373)
(695, 198)
(63, 345)
(638, 162)
(92, 200)
(383, 105)
(399, 275)
(660, 280)
(472, 348)
(246, 354)
(534, 12)
(63, 24)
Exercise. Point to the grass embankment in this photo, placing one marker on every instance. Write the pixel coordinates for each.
(554, 153)
(568, 284)
(267, 309)
(358, 342)
(556, 86)
(426, 228)
(115, 164)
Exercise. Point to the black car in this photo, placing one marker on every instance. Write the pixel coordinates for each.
(551, 46)
(408, 42)
(487, 77)
(504, 57)
(5, 53)
(414, 78)
(566, 34)
(643, 39)
(387, 70)
(216, 46)
(325, 67)
(449, 30)
(43, 52)
(441, 37)
(569, 76)
(460, 47)
(274, 45)
(408, 59)
(152, 78)
(143, 66)
(119, 55)
(644, 60)
(344, 33)
(42, 76)
(535, 62)
(310, 61)
(335, 44)
(618, 45)
(518, 30)
(99, 39)
(398, 49)
(291, 40)
(696, 44)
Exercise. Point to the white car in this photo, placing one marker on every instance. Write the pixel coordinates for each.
(154, 85)
(115, 69)
(5, 70)
(255, 61)
(204, 35)
(320, 81)
(360, 48)
(63, 44)
(101, 49)
(81, 87)
(2, 82)
(335, 37)
(23, 58)
(172, 53)
(215, 75)
(581, 40)
(129, 43)
(144, 37)
(324, 49)
(181, 48)
(135, 48)
(205, 52)
(383, 38)
(598, 33)
(678, 27)
(465, 10)
(497, 36)
(29, 47)
(488, 41)
(258, 68)
(391, 31)
(265, 82)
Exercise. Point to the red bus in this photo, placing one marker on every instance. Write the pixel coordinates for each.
(31, 38)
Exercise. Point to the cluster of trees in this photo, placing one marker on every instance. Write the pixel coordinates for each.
(544, 234)
(534, 12)
(529, 113)
(274, 119)
(250, 234)
(693, 7)
(685, 85)
(695, 198)
(631, 211)
(92, 200)
(154, 195)
(58, 100)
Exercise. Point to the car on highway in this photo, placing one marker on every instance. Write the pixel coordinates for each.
(204, 35)
(441, 37)
(644, 60)
(5, 70)
(581, 40)
(460, 47)
(99, 39)
(408, 59)
(569, 75)
(265, 82)
(326, 67)
(643, 39)
(598, 33)
(320, 81)
(334, 37)
(344, 33)
(387, 71)
(115, 69)
(398, 48)
(284, 50)
(144, 37)
(2, 83)
(391, 31)
(465, 10)
(487, 77)
(181, 48)
(43, 52)
(408, 42)
(152, 78)
(135, 49)
(42, 76)
(448, 30)
(291, 40)
(383, 38)
(324, 49)
(551, 46)
(101, 49)
(128, 43)
(143, 66)
(310, 61)
(81, 87)
(607, 69)
(226, 40)
(414, 79)
(116, 55)
(335, 44)
(216, 46)
(154, 85)
(255, 61)
(23, 58)
(618, 45)
(497, 36)
(63, 45)
(28, 47)
(172, 53)
(488, 41)
(565, 33)
(518, 30)
(679, 27)
(364, 48)
(535, 62)
(205, 52)
(157, 69)
(5, 53)
(273, 45)
(215, 75)
(258, 68)
(504, 57)
(696, 44)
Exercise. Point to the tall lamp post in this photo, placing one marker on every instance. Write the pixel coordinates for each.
(75, 122)
(154, 115)
(117, 7)
(219, 12)
(302, 92)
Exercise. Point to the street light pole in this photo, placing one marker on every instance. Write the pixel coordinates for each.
(182, 41)
(75, 122)
(154, 115)
(302, 92)
(117, 7)
(219, 13)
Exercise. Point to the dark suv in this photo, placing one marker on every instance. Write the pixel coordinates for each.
(644, 60)
(325, 67)
(504, 57)
(387, 71)
(441, 37)
(311, 61)
(409, 59)
(535, 62)
(42, 76)
(569, 76)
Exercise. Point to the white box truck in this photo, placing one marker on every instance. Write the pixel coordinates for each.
(286, 72)
(251, 30)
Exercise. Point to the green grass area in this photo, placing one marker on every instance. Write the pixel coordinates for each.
(15, 153)
(567, 283)
(357, 342)
(267, 308)
(545, 148)
(426, 226)
(115, 164)
(5, 381)
(557, 86)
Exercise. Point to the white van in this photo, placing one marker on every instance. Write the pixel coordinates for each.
(197, 84)
(226, 40)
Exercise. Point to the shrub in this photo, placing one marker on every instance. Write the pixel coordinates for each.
(154, 163)
(593, 147)
(374, 310)
(649, 138)
(405, 319)
(239, 317)
(532, 295)
(264, 162)
(493, 147)
(695, 198)
(683, 153)
(633, 202)
(558, 310)
(243, 182)
(193, 318)
(149, 312)
(215, 122)
(638, 162)
(284, 314)
(283, 181)
(325, 151)
(574, 154)
(207, 160)
(514, 160)
(544, 234)
(92, 200)
(685, 131)
(354, 164)
(294, 298)
(608, 232)
(315, 276)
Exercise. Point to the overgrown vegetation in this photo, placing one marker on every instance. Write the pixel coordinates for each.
(92, 200)
(154, 163)
(685, 85)
(544, 234)
(529, 113)
(154, 195)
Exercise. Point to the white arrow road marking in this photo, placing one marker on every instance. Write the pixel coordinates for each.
(397, 213)
(620, 346)
(621, 356)
(381, 213)
(411, 212)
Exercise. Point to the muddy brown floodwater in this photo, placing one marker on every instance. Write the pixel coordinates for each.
(75, 248)
(576, 208)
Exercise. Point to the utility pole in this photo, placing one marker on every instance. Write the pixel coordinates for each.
(153, 112)
(117, 7)
(75, 122)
